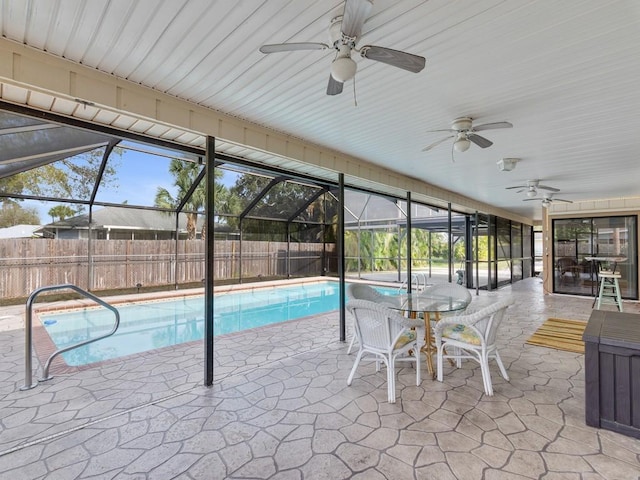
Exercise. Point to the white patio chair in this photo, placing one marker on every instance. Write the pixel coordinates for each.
(388, 336)
(472, 335)
(449, 290)
(361, 291)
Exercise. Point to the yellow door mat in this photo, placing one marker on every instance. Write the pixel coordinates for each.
(560, 334)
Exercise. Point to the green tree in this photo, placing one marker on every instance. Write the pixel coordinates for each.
(419, 248)
(482, 253)
(44, 181)
(184, 175)
(60, 212)
(279, 201)
(72, 177)
(225, 203)
(358, 250)
(81, 172)
(12, 213)
(439, 246)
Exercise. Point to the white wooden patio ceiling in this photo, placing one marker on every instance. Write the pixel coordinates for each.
(563, 73)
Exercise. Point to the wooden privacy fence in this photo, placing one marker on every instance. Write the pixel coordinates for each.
(30, 263)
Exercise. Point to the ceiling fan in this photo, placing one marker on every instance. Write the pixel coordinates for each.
(344, 32)
(464, 133)
(547, 199)
(532, 187)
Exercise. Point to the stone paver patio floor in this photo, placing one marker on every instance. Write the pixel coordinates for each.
(280, 408)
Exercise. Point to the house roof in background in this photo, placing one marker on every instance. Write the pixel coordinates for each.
(126, 219)
(20, 231)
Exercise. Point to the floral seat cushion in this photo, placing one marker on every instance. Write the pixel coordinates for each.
(407, 337)
(461, 333)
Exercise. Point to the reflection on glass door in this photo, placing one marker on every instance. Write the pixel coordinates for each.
(459, 248)
(503, 250)
(538, 251)
(580, 245)
(500, 253)
(516, 252)
(478, 273)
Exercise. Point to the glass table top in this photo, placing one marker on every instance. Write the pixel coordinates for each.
(425, 302)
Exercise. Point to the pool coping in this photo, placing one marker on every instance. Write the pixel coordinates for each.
(151, 296)
(44, 346)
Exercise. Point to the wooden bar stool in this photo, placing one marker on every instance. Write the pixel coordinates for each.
(609, 291)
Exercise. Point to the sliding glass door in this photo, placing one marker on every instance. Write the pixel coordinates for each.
(580, 245)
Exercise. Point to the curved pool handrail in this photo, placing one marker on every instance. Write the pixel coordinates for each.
(28, 374)
(418, 279)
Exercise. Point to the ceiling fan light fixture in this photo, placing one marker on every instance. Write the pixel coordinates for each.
(343, 69)
(461, 144)
(462, 124)
(532, 193)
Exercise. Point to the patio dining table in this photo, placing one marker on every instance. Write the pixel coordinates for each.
(429, 307)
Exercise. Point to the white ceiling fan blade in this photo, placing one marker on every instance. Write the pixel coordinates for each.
(356, 13)
(478, 140)
(435, 144)
(395, 58)
(291, 47)
(551, 189)
(334, 87)
(561, 200)
(443, 130)
(532, 200)
(517, 186)
(491, 126)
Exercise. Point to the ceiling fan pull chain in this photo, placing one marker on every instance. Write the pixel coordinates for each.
(355, 100)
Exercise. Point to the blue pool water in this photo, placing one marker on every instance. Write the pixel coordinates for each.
(148, 326)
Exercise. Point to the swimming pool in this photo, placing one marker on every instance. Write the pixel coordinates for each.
(152, 325)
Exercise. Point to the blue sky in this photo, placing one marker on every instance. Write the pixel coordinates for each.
(138, 177)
